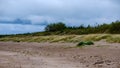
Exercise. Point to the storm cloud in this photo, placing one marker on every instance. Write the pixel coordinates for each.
(72, 12)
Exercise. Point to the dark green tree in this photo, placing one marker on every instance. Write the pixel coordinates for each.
(55, 27)
(115, 27)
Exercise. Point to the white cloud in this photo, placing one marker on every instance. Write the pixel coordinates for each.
(56, 8)
(73, 12)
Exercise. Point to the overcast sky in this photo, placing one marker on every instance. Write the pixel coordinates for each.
(43, 12)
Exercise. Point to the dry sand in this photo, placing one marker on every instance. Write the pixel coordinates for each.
(59, 55)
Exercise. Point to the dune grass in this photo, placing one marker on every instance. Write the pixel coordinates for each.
(113, 38)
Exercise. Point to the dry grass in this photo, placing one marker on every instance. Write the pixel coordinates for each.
(65, 38)
(114, 38)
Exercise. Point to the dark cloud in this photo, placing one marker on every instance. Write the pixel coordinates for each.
(17, 28)
(24, 22)
(16, 21)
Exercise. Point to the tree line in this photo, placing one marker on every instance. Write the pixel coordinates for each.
(61, 28)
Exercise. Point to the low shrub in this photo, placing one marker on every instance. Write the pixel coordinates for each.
(85, 43)
(88, 43)
(80, 43)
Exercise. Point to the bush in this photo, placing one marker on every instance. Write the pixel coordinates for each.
(80, 44)
(85, 43)
(88, 43)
